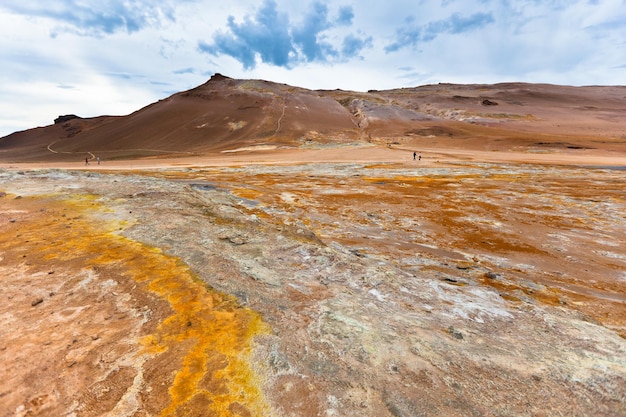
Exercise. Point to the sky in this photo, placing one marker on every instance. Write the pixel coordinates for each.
(113, 57)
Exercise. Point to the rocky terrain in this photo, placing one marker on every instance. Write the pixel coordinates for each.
(332, 289)
(319, 271)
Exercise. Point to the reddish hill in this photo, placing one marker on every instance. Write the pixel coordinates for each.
(227, 114)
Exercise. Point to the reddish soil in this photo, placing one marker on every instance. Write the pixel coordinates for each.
(319, 269)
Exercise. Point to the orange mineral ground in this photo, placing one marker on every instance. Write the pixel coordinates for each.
(107, 324)
(450, 287)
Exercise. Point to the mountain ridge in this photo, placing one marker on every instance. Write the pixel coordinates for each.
(224, 113)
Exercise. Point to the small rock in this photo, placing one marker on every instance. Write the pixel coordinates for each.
(454, 332)
(237, 240)
(36, 301)
(3, 194)
(64, 118)
(358, 253)
(492, 275)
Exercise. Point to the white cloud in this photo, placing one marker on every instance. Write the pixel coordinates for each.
(90, 57)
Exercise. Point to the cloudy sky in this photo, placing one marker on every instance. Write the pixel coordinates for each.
(93, 57)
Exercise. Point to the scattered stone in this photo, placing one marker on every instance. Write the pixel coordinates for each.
(358, 253)
(3, 194)
(36, 301)
(492, 275)
(487, 102)
(236, 240)
(454, 332)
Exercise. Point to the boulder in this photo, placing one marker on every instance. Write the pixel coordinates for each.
(487, 102)
(65, 118)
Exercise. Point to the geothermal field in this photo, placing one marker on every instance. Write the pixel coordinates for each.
(248, 248)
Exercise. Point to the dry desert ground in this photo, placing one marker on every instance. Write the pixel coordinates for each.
(343, 279)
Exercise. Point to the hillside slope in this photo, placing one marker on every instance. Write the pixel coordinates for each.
(225, 114)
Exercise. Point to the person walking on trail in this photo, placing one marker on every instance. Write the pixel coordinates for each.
(420, 157)
(98, 159)
(86, 161)
(414, 154)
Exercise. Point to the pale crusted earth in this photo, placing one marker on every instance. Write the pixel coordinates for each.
(385, 290)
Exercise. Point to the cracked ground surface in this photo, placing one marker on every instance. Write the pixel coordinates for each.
(314, 289)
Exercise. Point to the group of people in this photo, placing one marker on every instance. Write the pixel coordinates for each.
(98, 159)
(415, 155)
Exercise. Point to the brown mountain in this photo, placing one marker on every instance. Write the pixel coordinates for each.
(226, 114)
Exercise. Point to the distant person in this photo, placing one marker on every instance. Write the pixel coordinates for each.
(414, 155)
(86, 161)
(420, 157)
(98, 159)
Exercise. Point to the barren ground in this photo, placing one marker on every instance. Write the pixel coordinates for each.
(338, 282)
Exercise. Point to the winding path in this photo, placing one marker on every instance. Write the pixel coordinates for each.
(92, 156)
(280, 119)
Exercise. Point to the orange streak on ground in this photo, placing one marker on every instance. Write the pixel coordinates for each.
(216, 334)
(512, 215)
